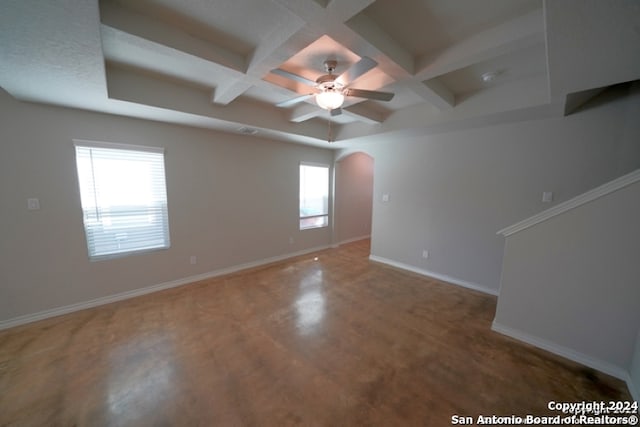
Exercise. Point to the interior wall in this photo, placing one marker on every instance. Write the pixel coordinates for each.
(232, 200)
(572, 281)
(450, 193)
(353, 195)
(635, 371)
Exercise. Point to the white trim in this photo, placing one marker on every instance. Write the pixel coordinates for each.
(117, 146)
(443, 277)
(566, 352)
(344, 153)
(587, 197)
(351, 240)
(315, 164)
(28, 318)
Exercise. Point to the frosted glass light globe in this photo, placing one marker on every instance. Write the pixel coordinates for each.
(330, 99)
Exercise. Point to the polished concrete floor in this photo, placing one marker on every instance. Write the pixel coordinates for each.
(326, 339)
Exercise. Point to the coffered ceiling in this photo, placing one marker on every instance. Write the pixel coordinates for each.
(208, 63)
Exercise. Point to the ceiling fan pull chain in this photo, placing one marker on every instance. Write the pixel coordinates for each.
(329, 137)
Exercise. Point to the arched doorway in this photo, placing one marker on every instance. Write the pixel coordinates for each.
(353, 197)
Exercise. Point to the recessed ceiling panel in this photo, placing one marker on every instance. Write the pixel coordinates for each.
(127, 49)
(207, 62)
(509, 68)
(425, 26)
(309, 63)
(237, 25)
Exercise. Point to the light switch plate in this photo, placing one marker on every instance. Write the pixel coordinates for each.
(33, 204)
(547, 197)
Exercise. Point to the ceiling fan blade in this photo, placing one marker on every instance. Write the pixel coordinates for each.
(292, 76)
(295, 100)
(369, 94)
(356, 70)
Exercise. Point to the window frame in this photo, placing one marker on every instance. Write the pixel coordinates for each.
(328, 192)
(166, 234)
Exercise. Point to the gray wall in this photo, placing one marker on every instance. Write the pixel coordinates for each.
(354, 192)
(232, 200)
(450, 193)
(571, 282)
(635, 371)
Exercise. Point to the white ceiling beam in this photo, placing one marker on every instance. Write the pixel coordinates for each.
(280, 44)
(371, 44)
(370, 31)
(227, 92)
(125, 48)
(361, 113)
(343, 10)
(312, 11)
(307, 111)
(515, 101)
(154, 30)
(311, 21)
(436, 93)
(277, 46)
(316, 22)
(143, 89)
(524, 31)
(304, 111)
(308, 10)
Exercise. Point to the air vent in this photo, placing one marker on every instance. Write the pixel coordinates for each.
(248, 131)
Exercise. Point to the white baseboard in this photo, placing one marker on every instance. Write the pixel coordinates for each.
(584, 359)
(351, 240)
(443, 277)
(28, 318)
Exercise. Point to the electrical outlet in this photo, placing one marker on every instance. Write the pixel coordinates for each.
(291, 240)
(425, 254)
(193, 260)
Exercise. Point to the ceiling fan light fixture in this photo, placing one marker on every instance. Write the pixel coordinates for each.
(330, 99)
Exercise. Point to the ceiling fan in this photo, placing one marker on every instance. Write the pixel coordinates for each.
(331, 89)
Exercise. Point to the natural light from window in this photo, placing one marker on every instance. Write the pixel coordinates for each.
(314, 196)
(123, 196)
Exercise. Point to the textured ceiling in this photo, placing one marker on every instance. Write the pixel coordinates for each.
(208, 63)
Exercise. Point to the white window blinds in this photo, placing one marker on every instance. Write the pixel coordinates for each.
(314, 196)
(124, 199)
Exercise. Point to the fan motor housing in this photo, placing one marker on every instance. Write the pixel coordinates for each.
(329, 85)
(327, 81)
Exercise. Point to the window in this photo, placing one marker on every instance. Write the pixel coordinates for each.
(314, 196)
(124, 199)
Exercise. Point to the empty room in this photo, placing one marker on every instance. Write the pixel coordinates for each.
(319, 212)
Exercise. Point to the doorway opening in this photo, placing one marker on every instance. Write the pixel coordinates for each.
(353, 198)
